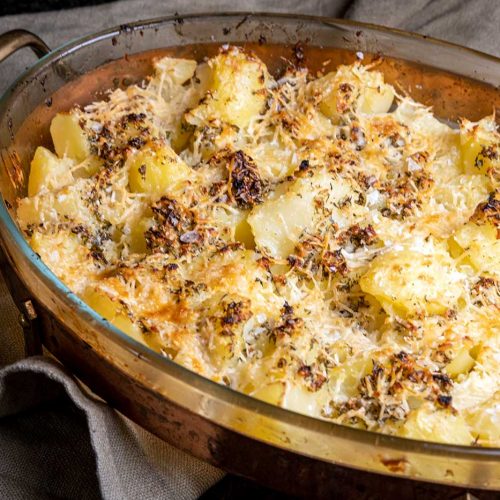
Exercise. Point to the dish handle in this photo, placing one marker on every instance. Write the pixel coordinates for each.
(12, 41)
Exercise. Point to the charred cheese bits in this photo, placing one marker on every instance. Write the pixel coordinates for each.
(317, 241)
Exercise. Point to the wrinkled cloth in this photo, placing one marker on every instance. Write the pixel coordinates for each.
(56, 438)
(59, 440)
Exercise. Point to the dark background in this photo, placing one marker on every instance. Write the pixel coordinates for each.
(19, 6)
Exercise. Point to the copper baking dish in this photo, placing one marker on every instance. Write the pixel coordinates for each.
(229, 429)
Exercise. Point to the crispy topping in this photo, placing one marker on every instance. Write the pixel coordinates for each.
(313, 379)
(359, 236)
(289, 323)
(175, 230)
(293, 236)
(236, 312)
(384, 392)
(245, 186)
(486, 292)
(489, 211)
(334, 263)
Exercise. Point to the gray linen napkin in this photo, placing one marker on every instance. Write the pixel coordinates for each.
(55, 436)
(57, 439)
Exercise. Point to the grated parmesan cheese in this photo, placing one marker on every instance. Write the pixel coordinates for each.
(301, 240)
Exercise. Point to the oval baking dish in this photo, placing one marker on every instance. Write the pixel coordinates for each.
(208, 420)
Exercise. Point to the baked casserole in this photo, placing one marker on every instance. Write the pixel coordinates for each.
(319, 241)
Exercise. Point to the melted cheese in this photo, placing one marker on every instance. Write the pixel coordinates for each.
(289, 237)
